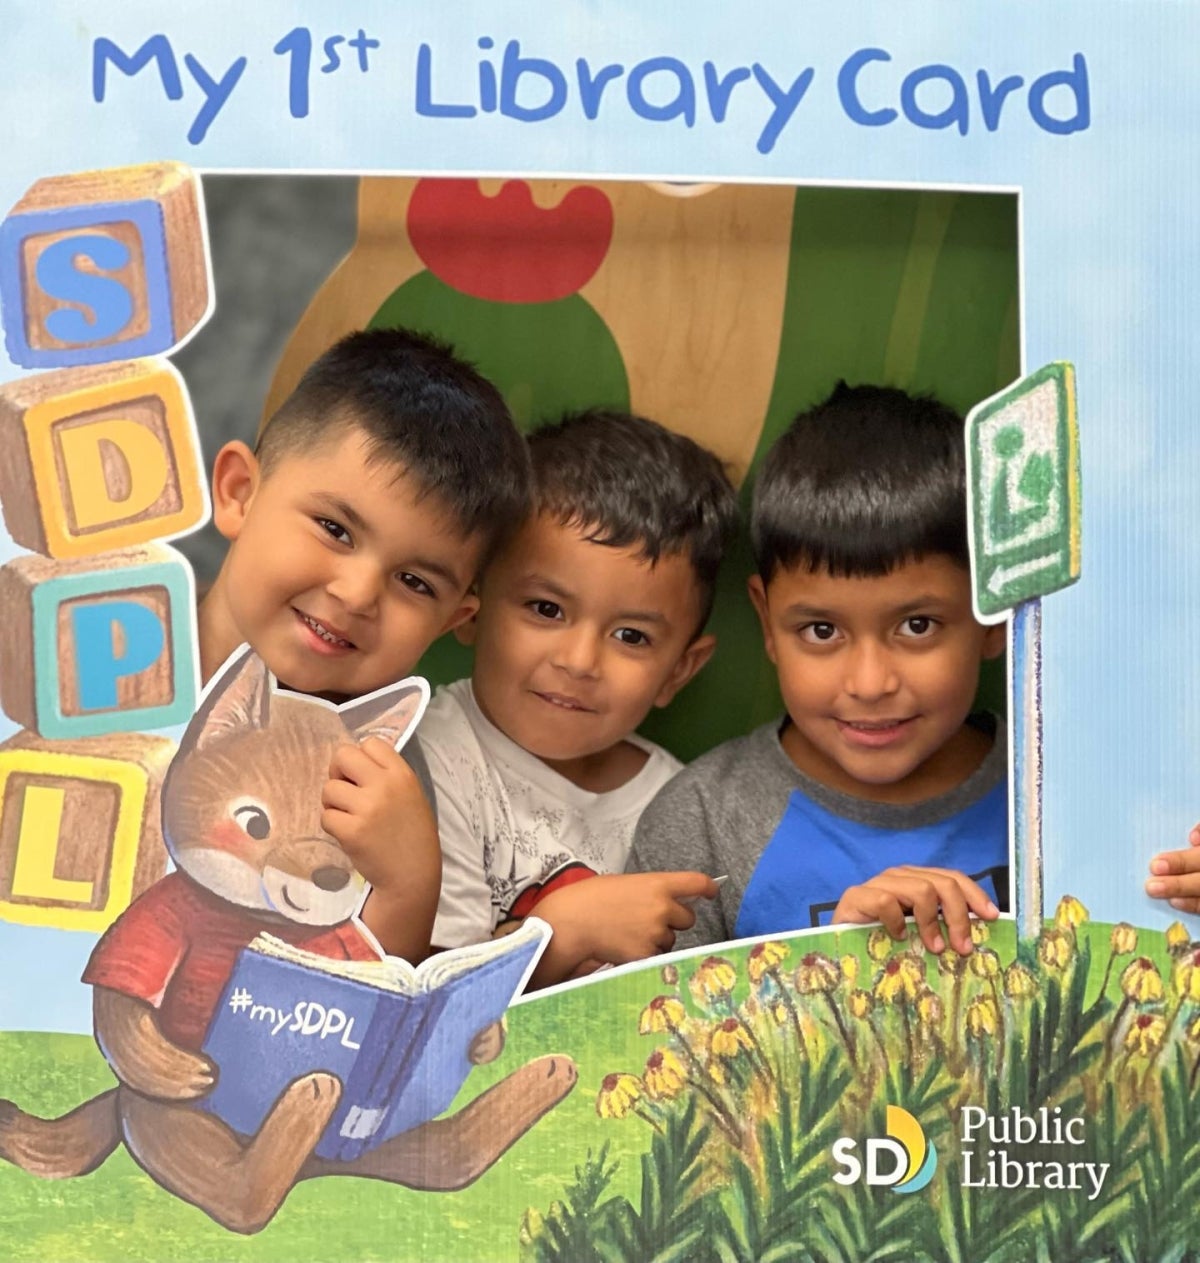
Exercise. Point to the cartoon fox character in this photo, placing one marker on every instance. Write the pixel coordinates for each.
(241, 820)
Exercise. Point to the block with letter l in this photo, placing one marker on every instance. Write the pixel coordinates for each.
(80, 835)
(98, 645)
(103, 265)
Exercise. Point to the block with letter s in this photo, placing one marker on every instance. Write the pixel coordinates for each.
(103, 265)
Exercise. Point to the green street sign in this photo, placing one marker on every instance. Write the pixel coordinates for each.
(1023, 491)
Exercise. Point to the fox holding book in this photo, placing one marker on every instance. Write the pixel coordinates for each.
(241, 820)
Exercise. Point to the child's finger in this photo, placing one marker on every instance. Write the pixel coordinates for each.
(957, 915)
(925, 901)
(351, 763)
(1185, 904)
(690, 885)
(883, 906)
(379, 752)
(1173, 863)
(339, 795)
(978, 899)
(1181, 886)
(1194, 836)
(680, 916)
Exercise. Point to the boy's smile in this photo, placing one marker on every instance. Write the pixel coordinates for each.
(340, 574)
(878, 675)
(574, 643)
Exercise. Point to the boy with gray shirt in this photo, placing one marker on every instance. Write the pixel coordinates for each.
(879, 793)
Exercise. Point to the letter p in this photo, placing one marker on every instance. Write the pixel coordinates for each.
(114, 641)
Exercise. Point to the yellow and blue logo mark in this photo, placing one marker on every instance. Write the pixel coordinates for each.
(903, 1160)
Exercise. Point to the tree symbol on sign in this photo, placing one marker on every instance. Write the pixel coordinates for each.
(1034, 487)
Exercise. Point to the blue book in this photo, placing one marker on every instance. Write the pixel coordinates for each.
(396, 1036)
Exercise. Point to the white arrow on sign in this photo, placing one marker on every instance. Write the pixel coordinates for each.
(1002, 576)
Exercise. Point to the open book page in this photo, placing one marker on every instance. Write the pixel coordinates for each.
(393, 974)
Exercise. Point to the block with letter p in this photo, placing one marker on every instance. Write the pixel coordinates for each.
(103, 265)
(80, 830)
(95, 459)
(98, 646)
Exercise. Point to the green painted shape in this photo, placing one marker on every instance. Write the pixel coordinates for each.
(545, 359)
(1018, 555)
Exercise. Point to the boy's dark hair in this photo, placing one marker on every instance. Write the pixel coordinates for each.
(420, 407)
(861, 483)
(628, 481)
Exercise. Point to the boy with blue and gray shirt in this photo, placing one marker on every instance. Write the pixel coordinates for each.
(879, 793)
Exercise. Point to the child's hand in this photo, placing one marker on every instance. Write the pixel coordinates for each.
(1176, 875)
(895, 891)
(376, 811)
(617, 918)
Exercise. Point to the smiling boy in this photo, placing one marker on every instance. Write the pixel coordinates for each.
(592, 614)
(357, 528)
(879, 793)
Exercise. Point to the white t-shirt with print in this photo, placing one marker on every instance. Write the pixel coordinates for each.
(507, 821)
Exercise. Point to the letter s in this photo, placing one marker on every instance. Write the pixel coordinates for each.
(109, 301)
(843, 1154)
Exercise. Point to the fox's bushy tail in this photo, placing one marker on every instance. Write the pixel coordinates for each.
(58, 1148)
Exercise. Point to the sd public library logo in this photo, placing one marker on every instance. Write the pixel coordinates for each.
(996, 1153)
(903, 1160)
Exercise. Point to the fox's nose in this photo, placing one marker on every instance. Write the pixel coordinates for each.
(330, 878)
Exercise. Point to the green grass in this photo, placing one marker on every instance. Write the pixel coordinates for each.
(630, 1191)
(118, 1213)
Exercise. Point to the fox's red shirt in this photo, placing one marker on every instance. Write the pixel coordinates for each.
(175, 948)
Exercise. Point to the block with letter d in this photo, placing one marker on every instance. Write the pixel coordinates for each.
(80, 835)
(103, 265)
(95, 459)
(100, 645)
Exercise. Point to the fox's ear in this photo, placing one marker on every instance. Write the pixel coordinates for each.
(391, 713)
(238, 699)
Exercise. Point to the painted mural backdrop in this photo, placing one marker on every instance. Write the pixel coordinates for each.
(820, 1096)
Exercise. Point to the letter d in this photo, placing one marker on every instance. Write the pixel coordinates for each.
(115, 470)
(882, 1144)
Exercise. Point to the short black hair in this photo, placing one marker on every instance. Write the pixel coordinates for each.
(424, 409)
(624, 480)
(869, 479)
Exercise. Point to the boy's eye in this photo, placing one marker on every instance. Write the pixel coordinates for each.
(631, 636)
(546, 609)
(416, 583)
(918, 625)
(818, 633)
(334, 530)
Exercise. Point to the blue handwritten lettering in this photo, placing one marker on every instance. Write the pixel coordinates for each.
(784, 100)
(848, 89)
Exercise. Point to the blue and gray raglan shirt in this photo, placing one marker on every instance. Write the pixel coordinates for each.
(791, 846)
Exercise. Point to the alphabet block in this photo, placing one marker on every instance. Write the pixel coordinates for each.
(103, 265)
(98, 646)
(80, 833)
(96, 459)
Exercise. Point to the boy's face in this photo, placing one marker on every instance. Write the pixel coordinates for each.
(339, 575)
(576, 641)
(878, 674)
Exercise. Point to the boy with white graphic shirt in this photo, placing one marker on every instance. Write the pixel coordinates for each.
(589, 616)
